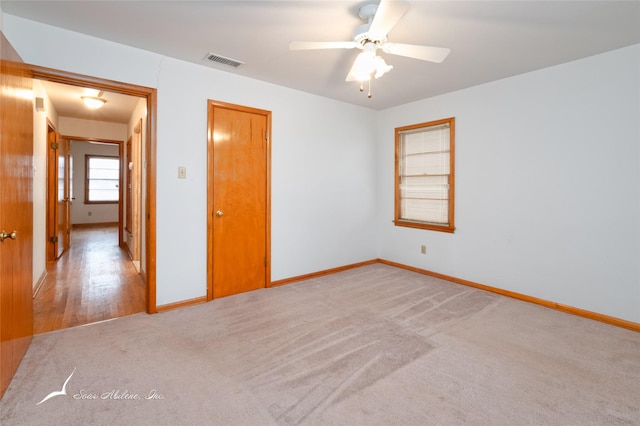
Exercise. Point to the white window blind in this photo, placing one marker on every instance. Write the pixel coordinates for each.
(424, 174)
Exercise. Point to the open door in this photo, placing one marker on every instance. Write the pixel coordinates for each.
(16, 212)
(58, 194)
(133, 196)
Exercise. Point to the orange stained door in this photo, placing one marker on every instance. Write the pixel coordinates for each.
(16, 212)
(128, 218)
(239, 158)
(52, 192)
(64, 196)
(58, 195)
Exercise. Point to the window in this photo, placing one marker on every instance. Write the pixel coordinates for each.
(102, 179)
(424, 188)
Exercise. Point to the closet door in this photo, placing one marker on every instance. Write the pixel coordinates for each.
(239, 158)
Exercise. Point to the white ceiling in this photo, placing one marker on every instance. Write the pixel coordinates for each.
(68, 103)
(489, 40)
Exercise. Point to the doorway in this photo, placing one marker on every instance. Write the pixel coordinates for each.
(238, 200)
(147, 244)
(94, 279)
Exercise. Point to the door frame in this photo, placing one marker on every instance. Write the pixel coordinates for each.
(210, 175)
(120, 175)
(151, 95)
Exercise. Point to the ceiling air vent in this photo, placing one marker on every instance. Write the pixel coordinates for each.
(218, 59)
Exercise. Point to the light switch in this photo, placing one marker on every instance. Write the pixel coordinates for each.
(182, 172)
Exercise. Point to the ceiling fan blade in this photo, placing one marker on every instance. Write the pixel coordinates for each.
(310, 45)
(388, 14)
(424, 53)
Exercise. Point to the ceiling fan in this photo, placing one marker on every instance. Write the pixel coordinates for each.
(372, 35)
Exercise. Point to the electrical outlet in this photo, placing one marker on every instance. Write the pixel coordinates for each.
(423, 249)
(182, 172)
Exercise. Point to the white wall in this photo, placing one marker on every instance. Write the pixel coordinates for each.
(82, 213)
(323, 161)
(323, 204)
(92, 129)
(547, 185)
(40, 147)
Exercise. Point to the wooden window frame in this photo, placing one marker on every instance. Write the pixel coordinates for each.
(87, 157)
(398, 220)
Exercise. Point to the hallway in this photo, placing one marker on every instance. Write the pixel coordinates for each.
(93, 281)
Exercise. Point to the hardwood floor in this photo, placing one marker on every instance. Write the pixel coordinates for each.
(93, 281)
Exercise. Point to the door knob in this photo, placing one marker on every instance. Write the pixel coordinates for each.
(3, 235)
(219, 213)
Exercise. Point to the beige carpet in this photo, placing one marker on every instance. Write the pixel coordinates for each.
(375, 345)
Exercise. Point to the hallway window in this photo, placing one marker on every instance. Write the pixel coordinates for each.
(102, 179)
(424, 175)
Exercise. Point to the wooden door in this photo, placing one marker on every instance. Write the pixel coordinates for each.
(64, 197)
(52, 193)
(58, 195)
(239, 199)
(134, 194)
(128, 193)
(16, 212)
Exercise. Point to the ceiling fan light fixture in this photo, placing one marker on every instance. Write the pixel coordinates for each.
(363, 66)
(381, 67)
(368, 64)
(93, 102)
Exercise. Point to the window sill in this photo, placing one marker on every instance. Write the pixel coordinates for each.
(425, 226)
